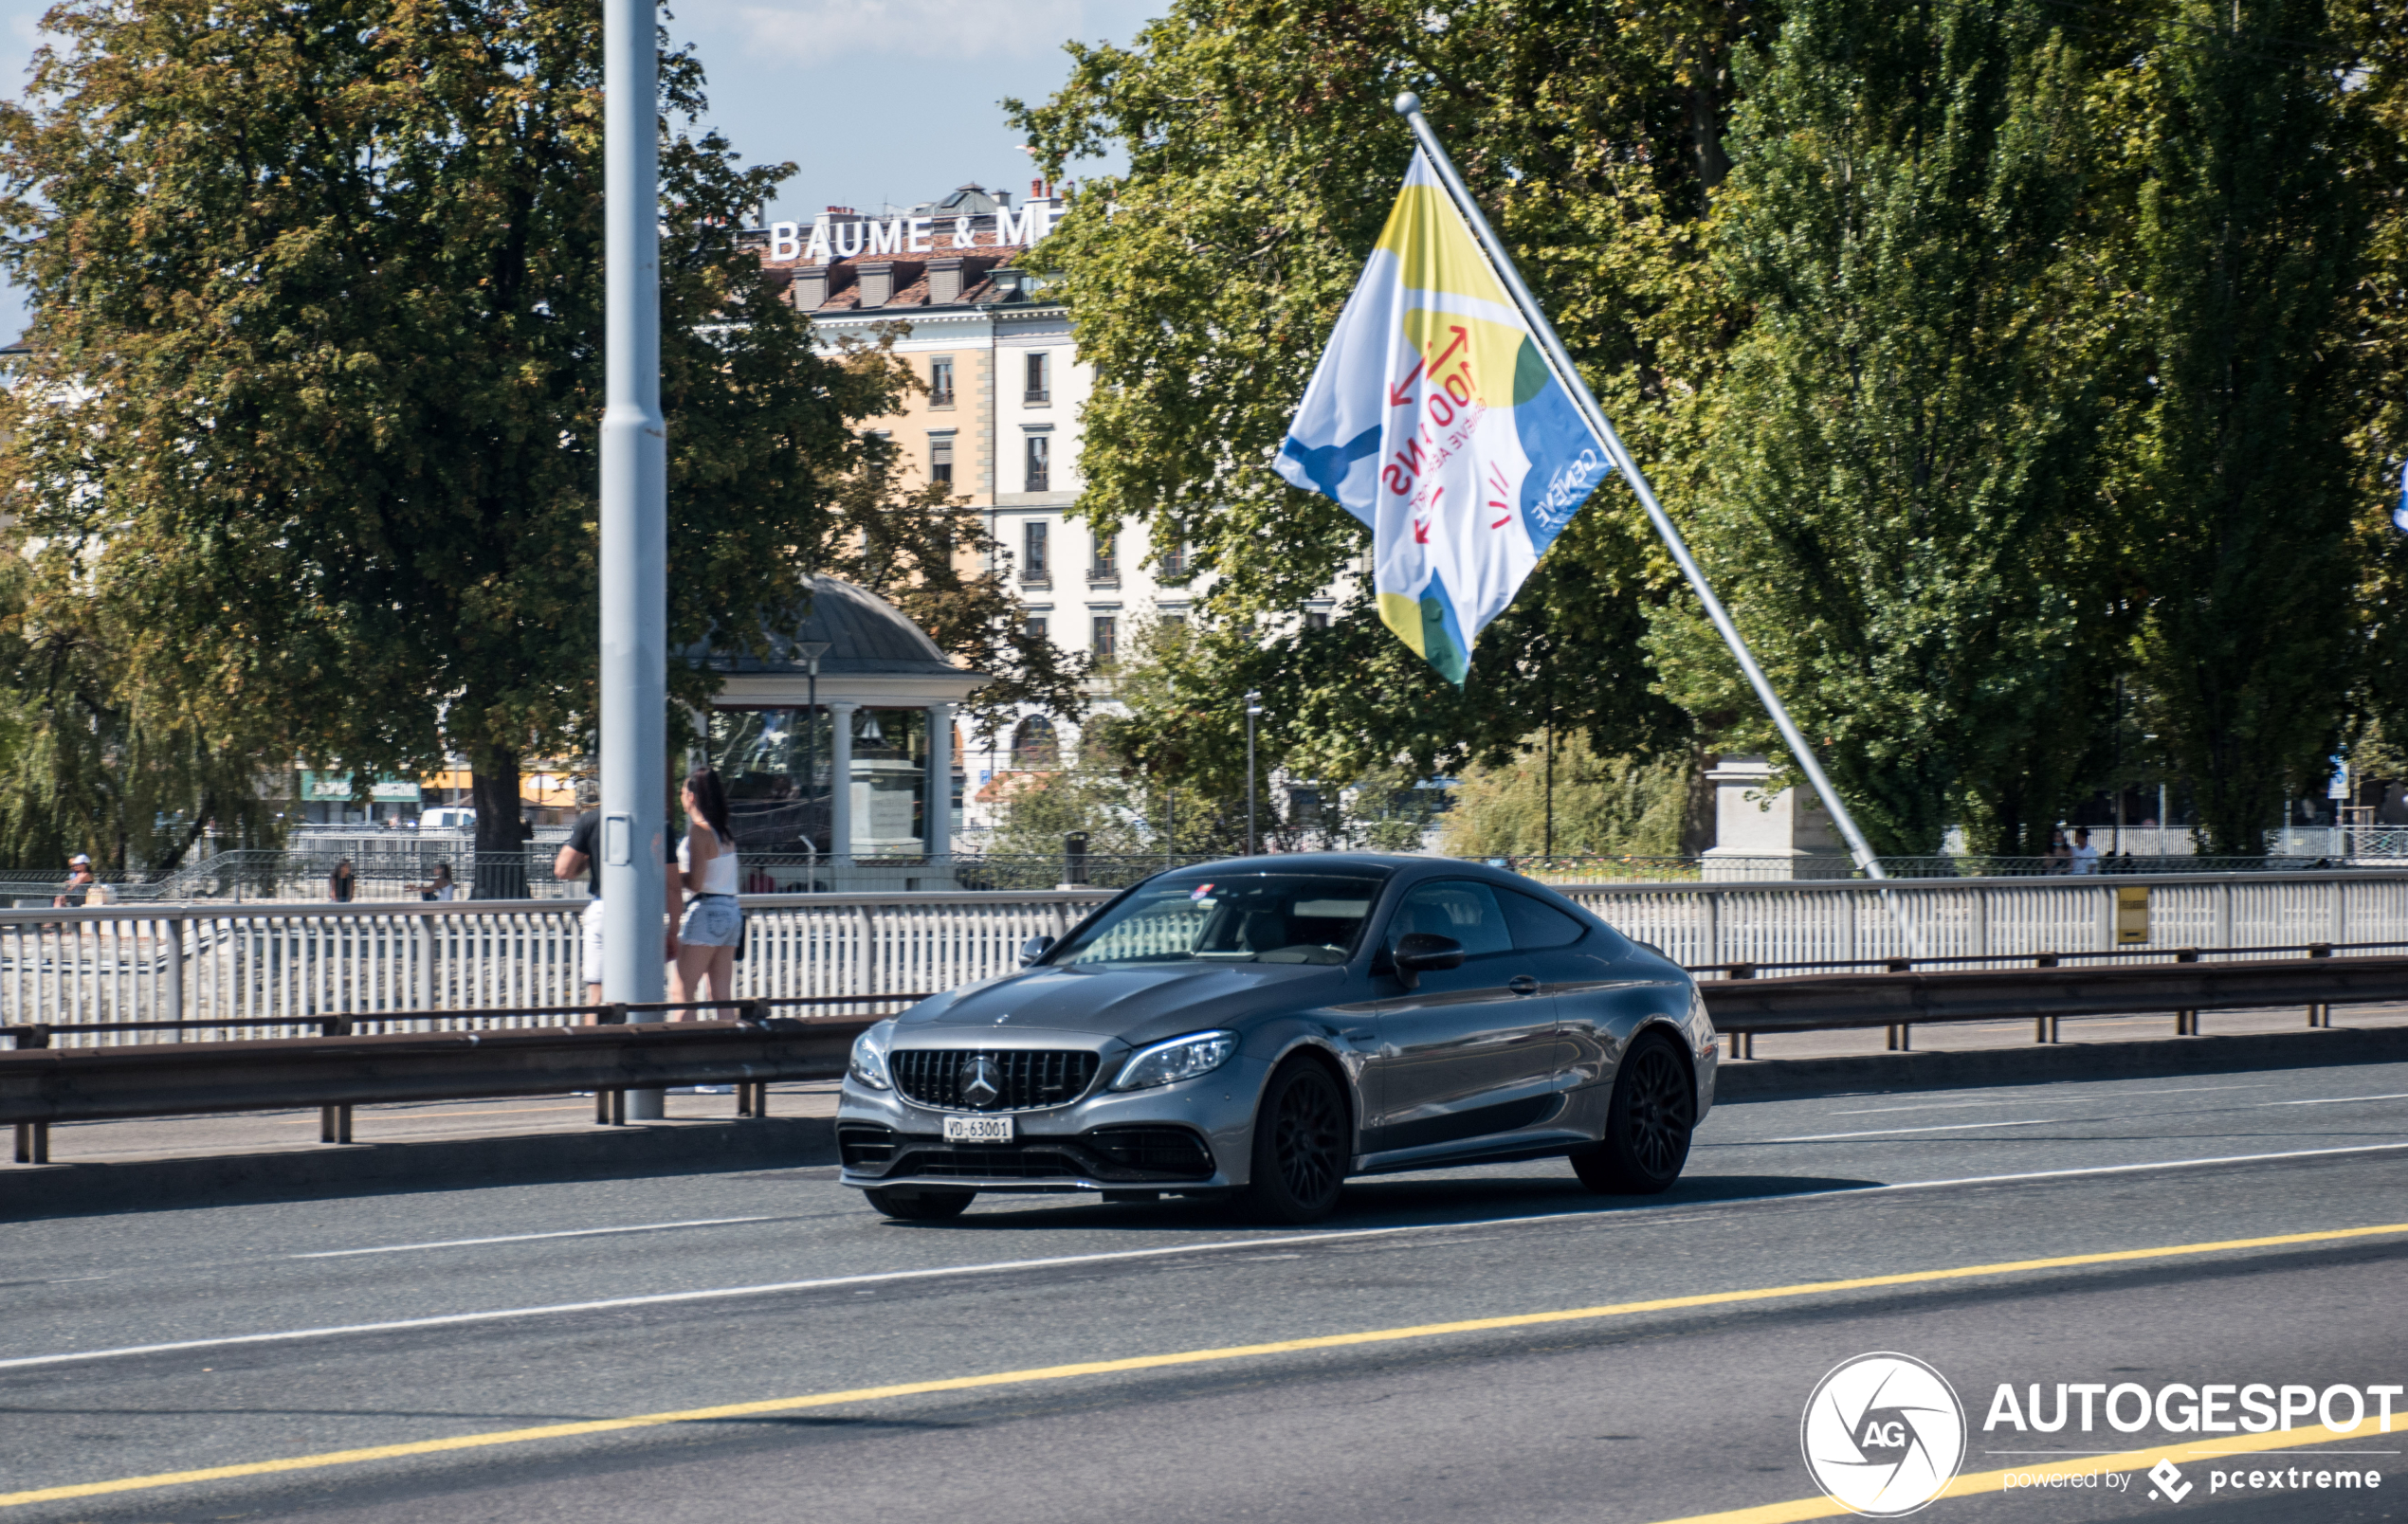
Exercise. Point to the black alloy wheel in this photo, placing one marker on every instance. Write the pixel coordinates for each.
(920, 1205)
(1646, 1127)
(1301, 1145)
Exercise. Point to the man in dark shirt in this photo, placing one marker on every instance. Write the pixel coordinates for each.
(580, 855)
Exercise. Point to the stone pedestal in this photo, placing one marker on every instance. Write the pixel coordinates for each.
(1763, 833)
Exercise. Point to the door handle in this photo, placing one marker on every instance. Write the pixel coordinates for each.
(1522, 984)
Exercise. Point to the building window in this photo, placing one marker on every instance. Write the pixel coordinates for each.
(1038, 374)
(1033, 627)
(1035, 745)
(1107, 637)
(941, 381)
(1040, 462)
(1177, 564)
(1174, 620)
(940, 459)
(1107, 559)
(1032, 565)
(1316, 619)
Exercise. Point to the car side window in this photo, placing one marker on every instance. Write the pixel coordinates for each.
(1538, 925)
(1459, 907)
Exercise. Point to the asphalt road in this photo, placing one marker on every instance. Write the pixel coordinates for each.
(488, 1349)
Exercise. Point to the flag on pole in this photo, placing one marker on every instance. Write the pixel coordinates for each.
(2399, 515)
(1434, 418)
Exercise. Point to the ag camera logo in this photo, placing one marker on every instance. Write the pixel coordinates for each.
(1884, 1434)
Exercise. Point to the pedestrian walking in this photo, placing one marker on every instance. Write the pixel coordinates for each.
(341, 882)
(2060, 855)
(2085, 858)
(579, 857)
(706, 868)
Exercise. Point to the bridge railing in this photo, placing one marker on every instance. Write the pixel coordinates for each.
(104, 965)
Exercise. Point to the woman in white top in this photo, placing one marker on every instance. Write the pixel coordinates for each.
(706, 869)
(439, 887)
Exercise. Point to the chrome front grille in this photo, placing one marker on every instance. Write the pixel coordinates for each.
(1029, 1079)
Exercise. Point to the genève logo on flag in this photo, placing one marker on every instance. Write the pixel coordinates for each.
(1434, 419)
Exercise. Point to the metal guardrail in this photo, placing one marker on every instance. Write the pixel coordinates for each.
(39, 1084)
(1741, 1008)
(609, 1056)
(2042, 960)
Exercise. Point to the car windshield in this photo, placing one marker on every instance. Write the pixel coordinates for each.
(1237, 918)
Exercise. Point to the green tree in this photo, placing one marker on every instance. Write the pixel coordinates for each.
(2248, 251)
(90, 767)
(1599, 804)
(1905, 432)
(2374, 110)
(316, 302)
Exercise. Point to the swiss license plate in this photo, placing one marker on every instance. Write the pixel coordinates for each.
(978, 1129)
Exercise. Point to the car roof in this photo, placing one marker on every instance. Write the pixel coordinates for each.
(1402, 865)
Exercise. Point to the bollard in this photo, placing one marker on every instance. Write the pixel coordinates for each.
(33, 1142)
(333, 1122)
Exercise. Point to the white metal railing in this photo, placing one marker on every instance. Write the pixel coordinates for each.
(247, 963)
(1804, 921)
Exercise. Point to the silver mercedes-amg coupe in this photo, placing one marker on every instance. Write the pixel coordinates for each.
(1267, 1026)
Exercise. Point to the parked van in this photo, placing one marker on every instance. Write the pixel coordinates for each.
(450, 818)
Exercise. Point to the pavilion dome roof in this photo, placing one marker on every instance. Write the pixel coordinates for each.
(866, 636)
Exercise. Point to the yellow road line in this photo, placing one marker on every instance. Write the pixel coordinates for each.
(1983, 1484)
(1157, 1362)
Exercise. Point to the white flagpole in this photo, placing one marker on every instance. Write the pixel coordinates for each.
(1409, 107)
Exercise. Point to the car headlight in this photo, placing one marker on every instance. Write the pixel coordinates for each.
(869, 1057)
(1181, 1058)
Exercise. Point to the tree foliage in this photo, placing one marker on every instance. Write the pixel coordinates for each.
(1898, 500)
(1970, 338)
(318, 325)
(1590, 806)
(2247, 244)
(1263, 158)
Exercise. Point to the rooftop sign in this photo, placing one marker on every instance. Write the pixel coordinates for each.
(833, 238)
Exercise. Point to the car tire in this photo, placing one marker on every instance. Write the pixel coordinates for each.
(1646, 1124)
(1302, 1145)
(920, 1205)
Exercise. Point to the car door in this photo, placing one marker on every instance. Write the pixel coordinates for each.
(1471, 1051)
(1586, 971)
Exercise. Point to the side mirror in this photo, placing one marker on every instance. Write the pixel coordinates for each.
(1418, 950)
(1036, 947)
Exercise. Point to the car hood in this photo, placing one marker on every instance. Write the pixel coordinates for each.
(1137, 1005)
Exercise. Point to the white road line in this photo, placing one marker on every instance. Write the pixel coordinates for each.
(1893, 1132)
(1601, 1216)
(2333, 1101)
(2027, 1100)
(1957, 1105)
(524, 1238)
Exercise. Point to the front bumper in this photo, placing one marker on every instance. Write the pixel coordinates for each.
(1193, 1137)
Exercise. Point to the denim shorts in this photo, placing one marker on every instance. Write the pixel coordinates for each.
(712, 920)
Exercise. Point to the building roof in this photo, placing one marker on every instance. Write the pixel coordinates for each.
(866, 636)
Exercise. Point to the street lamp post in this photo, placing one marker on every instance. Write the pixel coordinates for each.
(811, 651)
(1254, 708)
(634, 448)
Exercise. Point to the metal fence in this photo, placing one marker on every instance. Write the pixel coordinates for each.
(393, 864)
(202, 961)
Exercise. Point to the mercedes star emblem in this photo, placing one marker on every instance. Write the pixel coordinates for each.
(982, 1081)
